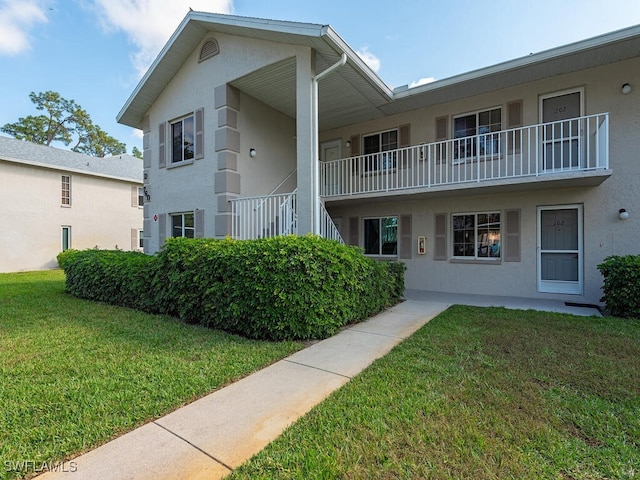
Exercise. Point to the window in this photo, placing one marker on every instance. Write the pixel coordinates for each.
(182, 225)
(477, 134)
(182, 140)
(66, 238)
(375, 147)
(141, 239)
(476, 235)
(381, 236)
(140, 196)
(66, 191)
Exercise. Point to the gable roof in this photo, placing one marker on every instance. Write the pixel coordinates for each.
(120, 167)
(354, 93)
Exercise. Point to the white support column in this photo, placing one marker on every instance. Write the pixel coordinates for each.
(305, 132)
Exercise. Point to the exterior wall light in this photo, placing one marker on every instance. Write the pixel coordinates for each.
(623, 214)
(252, 152)
(626, 88)
(347, 144)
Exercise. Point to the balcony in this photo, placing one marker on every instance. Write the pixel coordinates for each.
(572, 150)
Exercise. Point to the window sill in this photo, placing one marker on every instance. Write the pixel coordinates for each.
(477, 261)
(65, 206)
(381, 257)
(180, 164)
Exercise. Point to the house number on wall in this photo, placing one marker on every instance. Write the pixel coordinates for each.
(559, 223)
(560, 110)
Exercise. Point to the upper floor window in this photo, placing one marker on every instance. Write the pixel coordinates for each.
(182, 225)
(476, 235)
(477, 133)
(140, 196)
(182, 140)
(66, 191)
(379, 150)
(381, 236)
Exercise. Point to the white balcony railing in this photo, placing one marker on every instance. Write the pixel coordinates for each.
(578, 144)
(260, 217)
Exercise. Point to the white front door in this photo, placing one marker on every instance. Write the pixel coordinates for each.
(331, 171)
(562, 137)
(560, 249)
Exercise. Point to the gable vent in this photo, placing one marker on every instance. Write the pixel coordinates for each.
(209, 49)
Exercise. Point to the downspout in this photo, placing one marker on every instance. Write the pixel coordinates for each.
(315, 139)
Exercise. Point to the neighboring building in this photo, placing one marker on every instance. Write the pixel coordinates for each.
(53, 199)
(510, 177)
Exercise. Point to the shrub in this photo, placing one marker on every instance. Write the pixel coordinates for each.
(64, 257)
(621, 285)
(275, 288)
(111, 276)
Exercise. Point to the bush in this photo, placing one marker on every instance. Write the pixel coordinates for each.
(64, 257)
(276, 288)
(621, 285)
(110, 276)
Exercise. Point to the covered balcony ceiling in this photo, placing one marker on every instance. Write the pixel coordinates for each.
(348, 95)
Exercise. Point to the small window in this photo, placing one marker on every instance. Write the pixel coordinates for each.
(141, 239)
(477, 134)
(66, 191)
(140, 196)
(182, 225)
(380, 150)
(477, 236)
(66, 238)
(381, 236)
(182, 140)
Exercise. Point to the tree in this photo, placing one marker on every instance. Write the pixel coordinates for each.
(66, 122)
(136, 153)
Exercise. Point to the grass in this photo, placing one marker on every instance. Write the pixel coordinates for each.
(74, 373)
(482, 393)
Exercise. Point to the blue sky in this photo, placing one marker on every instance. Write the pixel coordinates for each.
(95, 51)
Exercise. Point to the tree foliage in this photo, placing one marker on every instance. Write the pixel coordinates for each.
(63, 121)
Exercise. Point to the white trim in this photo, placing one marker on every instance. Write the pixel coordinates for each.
(560, 93)
(62, 230)
(559, 286)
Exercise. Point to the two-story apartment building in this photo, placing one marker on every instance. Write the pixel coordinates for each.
(516, 179)
(53, 199)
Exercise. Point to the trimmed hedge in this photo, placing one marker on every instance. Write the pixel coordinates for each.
(621, 285)
(276, 288)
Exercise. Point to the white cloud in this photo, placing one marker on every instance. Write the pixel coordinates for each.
(17, 17)
(149, 23)
(422, 81)
(369, 58)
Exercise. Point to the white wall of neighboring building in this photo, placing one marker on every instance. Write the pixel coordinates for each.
(100, 215)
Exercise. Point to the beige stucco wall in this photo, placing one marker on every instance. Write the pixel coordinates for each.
(604, 233)
(101, 215)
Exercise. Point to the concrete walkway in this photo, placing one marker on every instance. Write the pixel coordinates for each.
(211, 436)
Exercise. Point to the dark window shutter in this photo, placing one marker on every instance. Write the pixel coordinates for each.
(512, 236)
(199, 127)
(162, 229)
(354, 237)
(440, 242)
(404, 136)
(514, 119)
(441, 128)
(199, 224)
(405, 236)
(162, 154)
(355, 145)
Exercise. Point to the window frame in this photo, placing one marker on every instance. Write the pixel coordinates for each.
(478, 141)
(181, 121)
(380, 239)
(478, 243)
(379, 160)
(65, 192)
(140, 196)
(63, 237)
(183, 227)
(141, 239)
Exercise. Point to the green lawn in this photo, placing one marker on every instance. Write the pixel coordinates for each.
(479, 393)
(74, 374)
